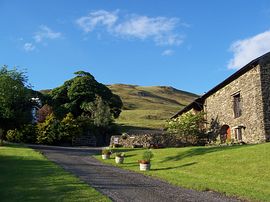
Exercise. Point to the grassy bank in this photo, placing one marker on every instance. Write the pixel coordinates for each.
(149, 106)
(26, 175)
(241, 171)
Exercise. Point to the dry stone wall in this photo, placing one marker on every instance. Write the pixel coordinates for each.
(148, 140)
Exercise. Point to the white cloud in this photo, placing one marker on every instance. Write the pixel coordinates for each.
(28, 47)
(100, 17)
(167, 52)
(46, 33)
(162, 30)
(248, 49)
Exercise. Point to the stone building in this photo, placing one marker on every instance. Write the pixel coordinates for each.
(240, 105)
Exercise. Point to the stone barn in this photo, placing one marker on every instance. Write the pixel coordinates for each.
(240, 105)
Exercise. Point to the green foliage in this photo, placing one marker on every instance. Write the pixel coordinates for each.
(48, 131)
(14, 136)
(147, 155)
(188, 124)
(27, 134)
(53, 131)
(15, 99)
(80, 91)
(100, 112)
(69, 128)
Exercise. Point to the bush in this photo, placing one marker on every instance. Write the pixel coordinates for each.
(27, 134)
(14, 136)
(188, 126)
(69, 128)
(48, 131)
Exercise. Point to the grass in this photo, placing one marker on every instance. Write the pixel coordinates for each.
(149, 107)
(241, 171)
(26, 175)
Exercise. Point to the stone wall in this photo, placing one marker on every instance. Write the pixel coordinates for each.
(265, 83)
(219, 106)
(148, 140)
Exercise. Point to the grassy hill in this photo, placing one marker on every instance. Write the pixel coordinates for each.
(149, 107)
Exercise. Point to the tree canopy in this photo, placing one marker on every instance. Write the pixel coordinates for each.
(78, 92)
(15, 99)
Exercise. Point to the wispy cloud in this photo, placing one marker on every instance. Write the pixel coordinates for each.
(248, 49)
(167, 52)
(101, 17)
(45, 32)
(162, 30)
(28, 47)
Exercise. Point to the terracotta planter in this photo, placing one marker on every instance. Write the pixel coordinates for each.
(145, 166)
(119, 159)
(105, 156)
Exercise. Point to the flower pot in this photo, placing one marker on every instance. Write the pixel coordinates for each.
(119, 159)
(145, 166)
(105, 156)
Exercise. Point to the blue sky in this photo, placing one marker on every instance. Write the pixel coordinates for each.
(190, 45)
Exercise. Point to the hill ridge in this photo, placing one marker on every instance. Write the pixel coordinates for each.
(149, 106)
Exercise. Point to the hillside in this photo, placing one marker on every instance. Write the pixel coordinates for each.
(149, 107)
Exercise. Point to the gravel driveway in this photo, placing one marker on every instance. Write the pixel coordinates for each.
(117, 184)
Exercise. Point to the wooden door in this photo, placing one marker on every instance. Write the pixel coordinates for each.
(228, 133)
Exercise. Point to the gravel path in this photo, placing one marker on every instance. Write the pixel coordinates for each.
(121, 185)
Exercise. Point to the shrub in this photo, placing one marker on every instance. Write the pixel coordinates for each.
(69, 128)
(14, 136)
(48, 131)
(189, 126)
(29, 132)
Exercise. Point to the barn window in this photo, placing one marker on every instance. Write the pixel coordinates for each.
(238, 133)
(237, 105)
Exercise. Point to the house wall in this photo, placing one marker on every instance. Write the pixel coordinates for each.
(219, 106)
(265, 83)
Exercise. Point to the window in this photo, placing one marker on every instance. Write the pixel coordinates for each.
(237, 105)
(238, 133)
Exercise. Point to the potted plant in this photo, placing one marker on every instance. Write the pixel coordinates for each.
(106, 153)
(119, 157)
(145, 161)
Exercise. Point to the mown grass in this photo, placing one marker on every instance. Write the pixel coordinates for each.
(241, 171)
(26, 175)
(149, 107)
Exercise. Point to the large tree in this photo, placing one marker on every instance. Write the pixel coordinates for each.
(83, 89)
(15, 99)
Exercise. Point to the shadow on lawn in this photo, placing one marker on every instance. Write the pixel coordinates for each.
(198, 151)
(23, 178)
(173, 167)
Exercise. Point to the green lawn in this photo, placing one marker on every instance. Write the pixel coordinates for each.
(241, 171)
(26, 175)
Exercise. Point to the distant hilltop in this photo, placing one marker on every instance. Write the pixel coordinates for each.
(148, 106)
